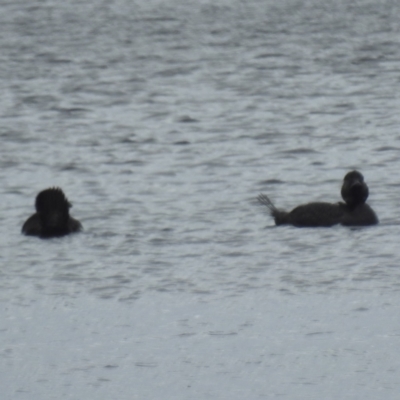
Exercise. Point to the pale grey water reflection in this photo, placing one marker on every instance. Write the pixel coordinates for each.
(174, 346)
(162, 122)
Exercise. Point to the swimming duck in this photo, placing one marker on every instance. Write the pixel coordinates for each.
(353, 212)
(52, 217)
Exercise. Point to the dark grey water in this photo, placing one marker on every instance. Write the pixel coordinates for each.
(162, 121)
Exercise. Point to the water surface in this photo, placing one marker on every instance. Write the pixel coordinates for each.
(162, 121)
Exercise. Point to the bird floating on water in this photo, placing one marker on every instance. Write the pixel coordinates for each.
(51, 218)
(353, 212)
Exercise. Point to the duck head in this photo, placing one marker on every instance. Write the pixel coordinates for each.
(53, 209)
(354, 189)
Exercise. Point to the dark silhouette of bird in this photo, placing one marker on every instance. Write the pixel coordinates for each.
(51, 218)
(353, 212)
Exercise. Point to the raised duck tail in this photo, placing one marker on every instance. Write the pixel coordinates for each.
(280, 217)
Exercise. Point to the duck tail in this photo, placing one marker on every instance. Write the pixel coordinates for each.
(280, 217)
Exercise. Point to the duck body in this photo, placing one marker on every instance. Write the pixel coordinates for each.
(310, 215)
(360, 215)
(354, 212)
(52, 217)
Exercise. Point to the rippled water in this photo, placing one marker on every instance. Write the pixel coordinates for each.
(162, 121)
